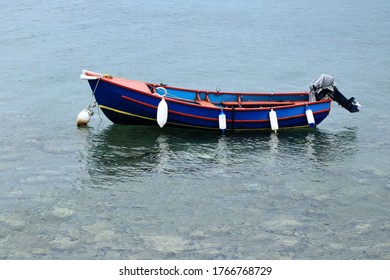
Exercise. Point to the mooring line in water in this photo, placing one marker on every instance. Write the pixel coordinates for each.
(85, 115)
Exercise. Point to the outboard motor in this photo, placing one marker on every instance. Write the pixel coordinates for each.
(324, 86)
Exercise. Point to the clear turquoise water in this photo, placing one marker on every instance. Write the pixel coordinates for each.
(117, 192)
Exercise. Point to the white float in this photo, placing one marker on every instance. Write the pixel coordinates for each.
(310, 117)
(84, 117)
(162, 109)
(273, 118)
(222, 120)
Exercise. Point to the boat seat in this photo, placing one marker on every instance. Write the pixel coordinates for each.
(206, 103)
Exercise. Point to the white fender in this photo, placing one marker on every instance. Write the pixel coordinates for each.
(222, 120)
(162, 112)
(310, 117)
(273, 118)
(84, 117)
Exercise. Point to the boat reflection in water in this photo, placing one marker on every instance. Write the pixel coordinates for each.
(131, 154)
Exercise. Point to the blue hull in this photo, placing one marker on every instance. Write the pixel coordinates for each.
(135, 103)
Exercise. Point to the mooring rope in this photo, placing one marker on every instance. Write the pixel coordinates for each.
(92, 102)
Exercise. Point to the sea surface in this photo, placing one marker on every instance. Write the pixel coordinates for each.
(118, 192)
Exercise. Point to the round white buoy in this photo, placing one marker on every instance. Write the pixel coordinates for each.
(84, 117)
(222, 120)
(273, 118)
(162, 113)
(310, 117)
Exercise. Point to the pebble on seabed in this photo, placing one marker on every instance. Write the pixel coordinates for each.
(62, 212)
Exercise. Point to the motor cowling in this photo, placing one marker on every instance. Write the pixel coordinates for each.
(325, 87)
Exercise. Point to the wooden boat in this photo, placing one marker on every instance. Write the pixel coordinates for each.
(131, 102)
